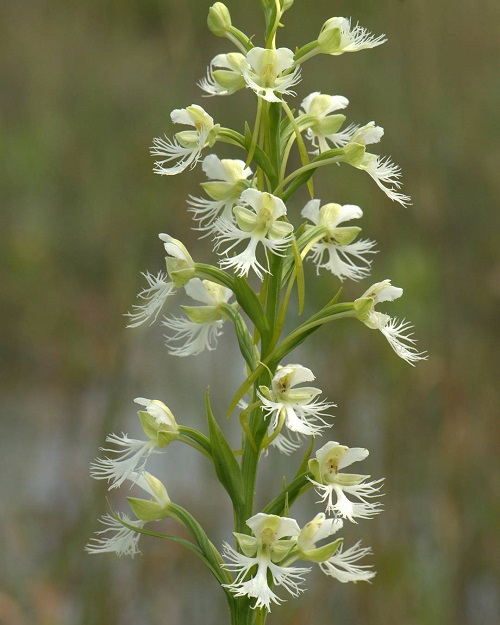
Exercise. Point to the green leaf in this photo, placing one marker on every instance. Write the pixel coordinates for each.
(299, 269)
(226, 466)
(245, 340)
(250, 303)
(288, 495)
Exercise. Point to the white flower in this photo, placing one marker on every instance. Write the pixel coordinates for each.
(180, 266)
(274, 537)
(185, 149)
(257, 224)
(342, 565)
(204, 323)
(330, 459)
(322, 126)
(396, 332)
(228, 78)
(338, 243)
(338, 36)
(386, 174)
(131, 455)
(228, 178)
(118, 538)
(296, 408)
(155, 295)
(269, 73)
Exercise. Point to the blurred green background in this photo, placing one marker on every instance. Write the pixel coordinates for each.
(85, 87)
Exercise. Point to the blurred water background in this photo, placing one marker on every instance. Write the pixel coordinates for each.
(85, 87)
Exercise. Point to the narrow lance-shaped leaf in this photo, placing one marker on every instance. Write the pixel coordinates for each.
(226, 466)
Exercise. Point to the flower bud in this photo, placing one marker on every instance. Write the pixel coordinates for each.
(219, 19)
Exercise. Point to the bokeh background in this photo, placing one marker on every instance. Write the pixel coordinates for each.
(85, 87)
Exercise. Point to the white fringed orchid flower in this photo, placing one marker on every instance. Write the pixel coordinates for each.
(227, 179)
(338, 36)
(323, 127)
(123, 540)
(396, 332)
(326, 467)
(185, 149)
(131, 455)
(298, 409)
(224, 75)
(345, 257)
(274, 537)
(180, 267)
(271, 73)
(203, 325)
(256, 222)
(385, 173)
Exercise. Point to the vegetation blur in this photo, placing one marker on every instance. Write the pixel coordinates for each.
(86, 86)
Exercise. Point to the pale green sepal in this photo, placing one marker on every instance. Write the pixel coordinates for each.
(165, 437)
(245, 218)
(265, 391)
(152, 429)
(147, 510)
(330, 124)
(282, 548)
(314, 468)
(202, 314)
(362, 307)
(354, 154)
(228, 79)
(213, 135)
(226, 466)
(217, 190)
(345, 236)
(180, 271)
(329, 40)
(349, 479)
(248, 544)
(321, 554)
(280, 230)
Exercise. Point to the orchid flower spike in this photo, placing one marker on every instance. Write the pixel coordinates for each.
(396, 332)
(185, 149)
(326, 467)
(345, 257)
(203, 325)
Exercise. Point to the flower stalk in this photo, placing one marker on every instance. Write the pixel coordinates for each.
(260, 238)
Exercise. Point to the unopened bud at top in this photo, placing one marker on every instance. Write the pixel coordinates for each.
(219, 19)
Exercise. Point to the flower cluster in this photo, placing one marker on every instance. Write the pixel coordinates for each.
(262, 238)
